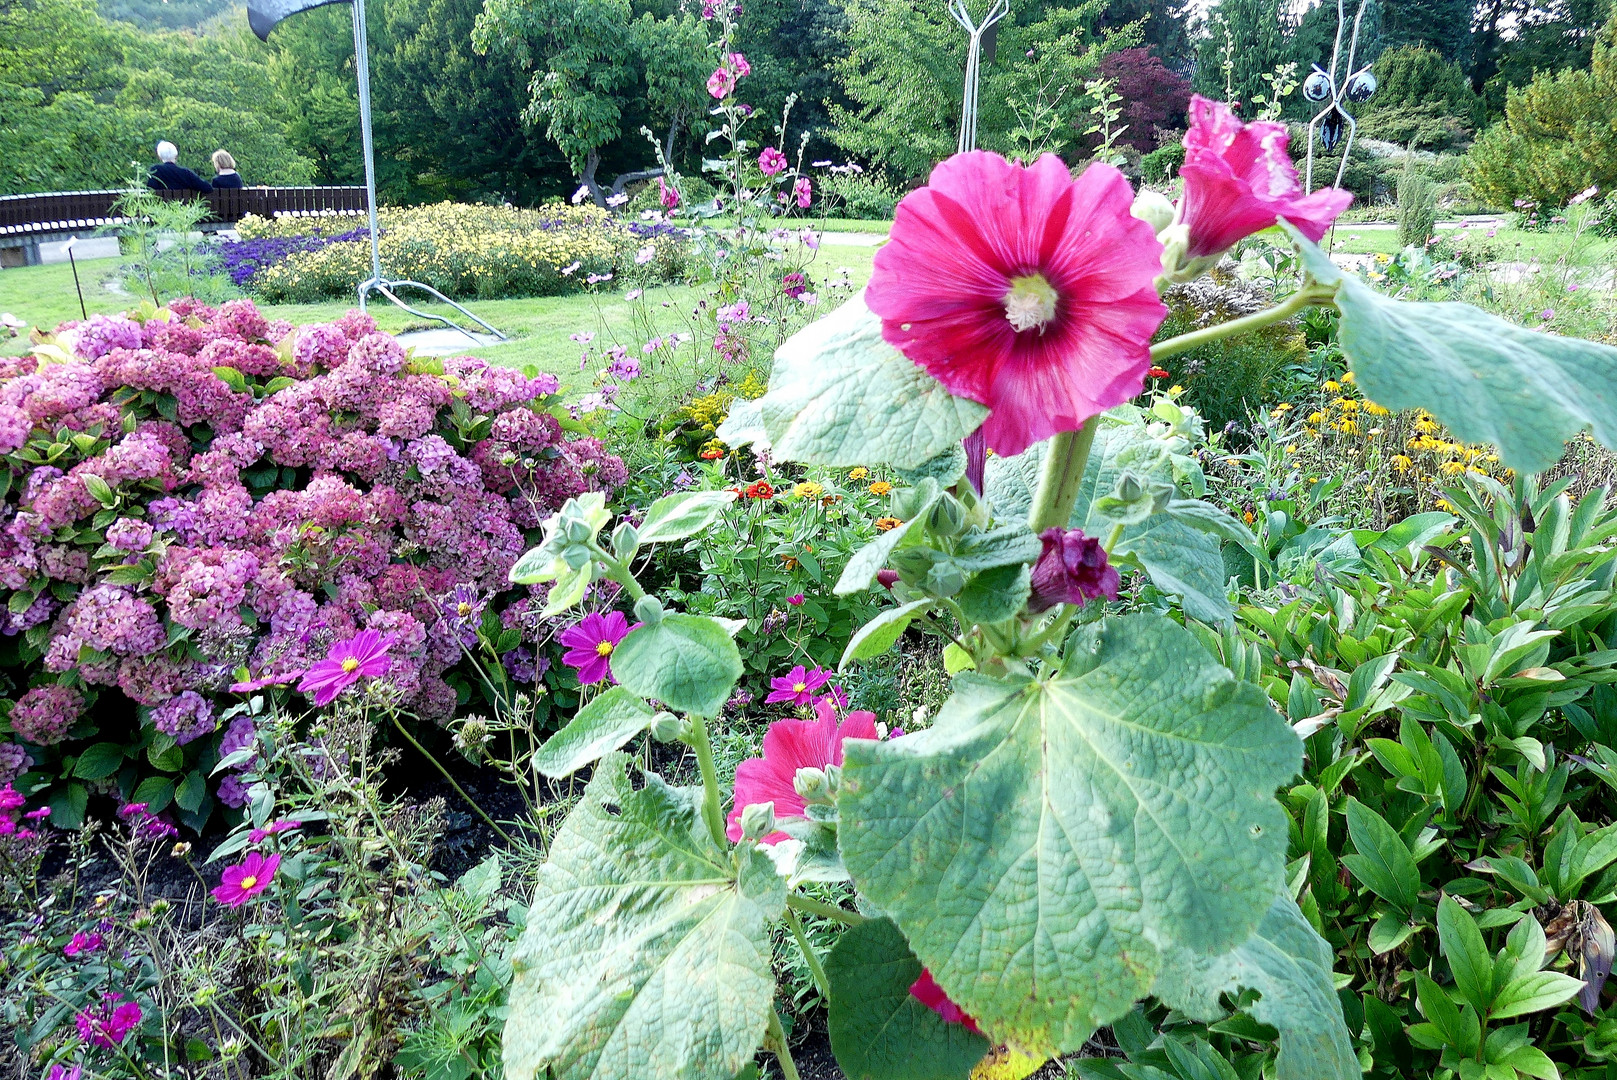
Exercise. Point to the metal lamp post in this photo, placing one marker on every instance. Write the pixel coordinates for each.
(262, 16)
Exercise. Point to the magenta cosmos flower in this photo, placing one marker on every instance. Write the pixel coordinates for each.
(1239, 179)
(108, 1024)
(1022, 289)
(929, 993)
(790, 745)
(797, 685)
(363, 656)
(771, 161)
(590, 645)
(240, 883)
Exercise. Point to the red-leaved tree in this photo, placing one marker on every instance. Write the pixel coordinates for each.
(1155, 98)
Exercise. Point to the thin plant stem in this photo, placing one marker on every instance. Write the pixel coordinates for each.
(775, 1040)
(810, 906)
(1063, 472)
(816, 969)
(712, 808)
(1311, 294)
(458, 789)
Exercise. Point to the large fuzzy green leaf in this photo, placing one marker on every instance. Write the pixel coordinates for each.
(1290, 966)
(878, 1030)
(687, 662)
(1045, 841)
(1488, 380)
(642, 958)
(840, 395)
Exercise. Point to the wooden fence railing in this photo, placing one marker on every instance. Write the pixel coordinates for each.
(67, 211)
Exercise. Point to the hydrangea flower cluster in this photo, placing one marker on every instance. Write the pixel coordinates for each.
(238, 493)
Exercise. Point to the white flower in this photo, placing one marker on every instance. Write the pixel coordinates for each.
(581, 194)
(633, 294)
(645, 255)
(570, 269)
(616, 200)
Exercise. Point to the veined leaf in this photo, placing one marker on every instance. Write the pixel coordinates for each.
(1290, 965)
(611, 719)
(1382, 860)
(674, 517)
(643, 957)
(1043, 842)
(687, 662)
(840, 395)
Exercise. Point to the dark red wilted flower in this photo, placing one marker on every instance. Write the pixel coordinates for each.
(1072, 569)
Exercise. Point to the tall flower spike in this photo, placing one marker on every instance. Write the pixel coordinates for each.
(1022, 289)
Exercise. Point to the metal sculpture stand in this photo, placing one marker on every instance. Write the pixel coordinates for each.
(974, 51)
(377, 282)
(1333, 120)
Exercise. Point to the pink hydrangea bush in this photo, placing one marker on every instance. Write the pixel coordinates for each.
(206, 490)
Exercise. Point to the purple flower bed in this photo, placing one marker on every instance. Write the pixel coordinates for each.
(242, 259)
(208, 497)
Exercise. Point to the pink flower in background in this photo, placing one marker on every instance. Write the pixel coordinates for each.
(363, 656)
(739, 64)
(790, 745)
(929, 993)
(1239, 179)
(1022, 289)
(667, 194)
(796, 686)
(771, 161)
(795, 601)
(804, 190)
(240, 883)
(590, 644)
(721, 83)
(108, 1024)
(82, 943)
(258, 836)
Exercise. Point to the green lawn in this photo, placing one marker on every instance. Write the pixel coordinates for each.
(44, 296)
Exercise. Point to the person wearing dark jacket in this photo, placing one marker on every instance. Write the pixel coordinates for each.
(169, 175)
(224, 166)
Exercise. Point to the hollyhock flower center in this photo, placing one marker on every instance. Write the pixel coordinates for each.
(604, 649)
(1030, 303)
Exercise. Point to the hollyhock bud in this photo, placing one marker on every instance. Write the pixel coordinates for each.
(1072, 569)
(887, 578)
(666, 727)
(1153, 208)
(812, 785)
(757, 821)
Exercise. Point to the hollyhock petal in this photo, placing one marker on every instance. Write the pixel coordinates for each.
(944, 287)
(929, 993)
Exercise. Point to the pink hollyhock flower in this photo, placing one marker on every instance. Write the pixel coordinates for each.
(790, 745)
(1022, 289)
(771, 161)
(929, 993)
(240, 883)
(590, 644)
(362, 656)
(796, 686)
(1072, 568)
(804, 190)
(82, 943)
(667, 195)
(108, 1024)
(720, 83)
(739, 64)
(1239, 179)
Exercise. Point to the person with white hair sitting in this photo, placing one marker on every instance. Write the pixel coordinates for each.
(169, 175)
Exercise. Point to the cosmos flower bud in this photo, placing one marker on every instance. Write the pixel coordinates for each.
(1073, 568)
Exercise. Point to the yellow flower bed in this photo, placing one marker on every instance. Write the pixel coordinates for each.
(483, 252)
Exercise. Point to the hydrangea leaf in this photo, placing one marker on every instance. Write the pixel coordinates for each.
(1290, 965)
(878, 635)
(878, 1030)
(840, 395)
(687, 662)
(643, 955)
(611, 719)
(674, 517)
(1486, 379)
(1045, 841)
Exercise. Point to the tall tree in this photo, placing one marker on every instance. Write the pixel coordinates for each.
(1243, 41)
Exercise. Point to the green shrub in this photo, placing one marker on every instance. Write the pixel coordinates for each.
(1162, 164)
(866, 197)
(1417, 207)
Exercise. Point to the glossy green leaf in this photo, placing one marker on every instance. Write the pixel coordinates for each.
(99, 761)
(1467, 954)
(643, 957)
(1382, 860)
(1534, 993)
(1290, 965)
(879, 634)
(1040, 906)
(840, 395)
(1487, 380)
(687, 662)
(611, 719)
(878, 1030)
(674, 517)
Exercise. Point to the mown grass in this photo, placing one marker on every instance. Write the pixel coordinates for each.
(539, 327)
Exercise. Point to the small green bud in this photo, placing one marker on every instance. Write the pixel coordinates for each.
(948, 517)
(666, 727)
(625, 540)
(811, 783)
(649, 610)
(1154, 209)
(576, 555)
(833, 777)
(758, 821)
(945, 579)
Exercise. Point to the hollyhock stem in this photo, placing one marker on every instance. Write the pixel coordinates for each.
(810, 906)
(775, 1040)
(1113, 537)
(618, 571)
(1063, 473)
(816, 969)
(1309, 295)
(712, 807)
